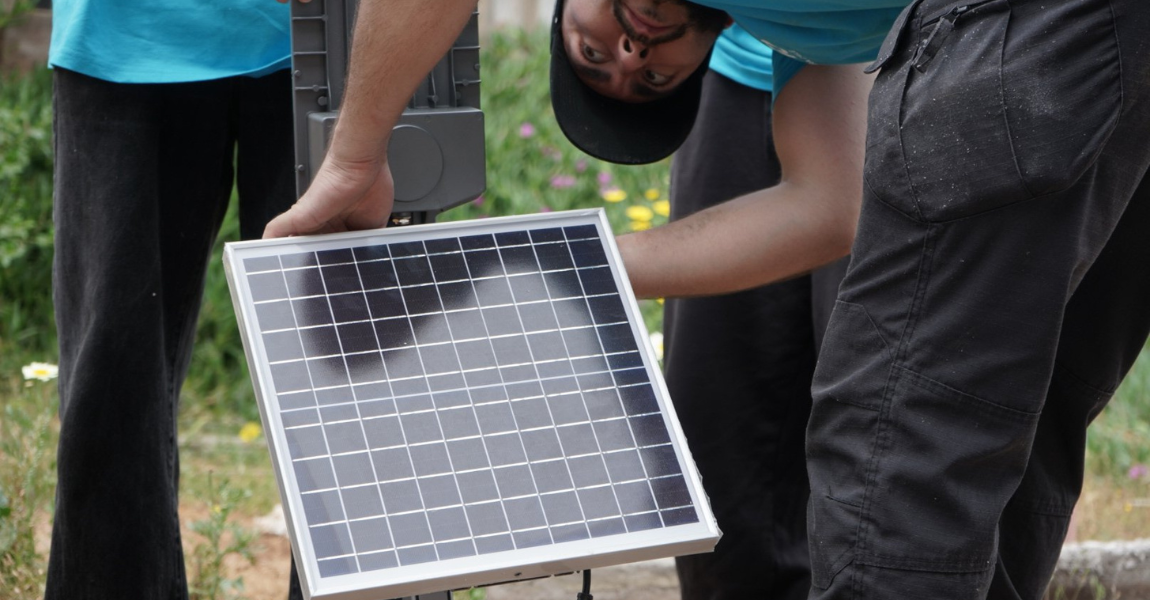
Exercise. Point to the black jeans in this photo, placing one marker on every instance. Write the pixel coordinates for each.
(144, 173)
(998, 293)
(739, 369)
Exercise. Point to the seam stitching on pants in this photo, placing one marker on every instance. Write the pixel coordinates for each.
(855, 404)
(841, 501)
(931, 385)
(1121, 71)
(1002, 104)
(882, 561)
(1046, 508)
(1063, 371)
(901, 145)
(882, 436)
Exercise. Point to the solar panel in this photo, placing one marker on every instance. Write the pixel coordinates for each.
(464, 403)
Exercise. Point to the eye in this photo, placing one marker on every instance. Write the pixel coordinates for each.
(593, 55)
(654, 78)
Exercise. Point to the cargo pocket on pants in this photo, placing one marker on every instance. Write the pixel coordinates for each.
(995, 112)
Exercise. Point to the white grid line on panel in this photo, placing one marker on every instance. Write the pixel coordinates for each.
(401, 427)
(522, 326)
(322, 429)
(594, 435)
(634, 440)
(438, 421)
(499, 371)
(601, 501)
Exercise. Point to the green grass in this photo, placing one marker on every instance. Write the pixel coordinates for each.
(28, 437)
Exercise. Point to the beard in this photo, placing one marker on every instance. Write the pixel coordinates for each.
(703, 18)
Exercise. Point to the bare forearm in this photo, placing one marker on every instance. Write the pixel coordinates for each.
(396, 43)
(766, 236)
(806, 221)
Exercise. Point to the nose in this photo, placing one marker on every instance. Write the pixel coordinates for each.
(632, 54)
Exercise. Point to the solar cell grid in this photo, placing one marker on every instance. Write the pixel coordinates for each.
(462, 395)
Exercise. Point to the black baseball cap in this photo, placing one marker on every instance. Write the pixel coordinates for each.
(613, 130)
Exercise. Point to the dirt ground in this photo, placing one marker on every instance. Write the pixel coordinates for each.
(267, 578)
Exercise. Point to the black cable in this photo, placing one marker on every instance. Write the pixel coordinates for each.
(586, 593)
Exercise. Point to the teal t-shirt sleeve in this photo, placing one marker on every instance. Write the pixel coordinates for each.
(741, 57)
(784, 68)
(821, 32)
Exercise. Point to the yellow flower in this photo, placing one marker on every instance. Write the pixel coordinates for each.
(660, 301)
(40, 371)
(640, 225)
(651, 194)
(640, 213)
(614, 195)
(1128, 507)
(250, 431)
(662, 208)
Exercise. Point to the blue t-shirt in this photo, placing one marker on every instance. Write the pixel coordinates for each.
(168, 41)
(828, 32)
(741, 57)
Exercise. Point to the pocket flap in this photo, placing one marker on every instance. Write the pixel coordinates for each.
(890, 44)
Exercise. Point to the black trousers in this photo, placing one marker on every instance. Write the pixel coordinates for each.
(999, 291)
(144, 174)
(739, 369)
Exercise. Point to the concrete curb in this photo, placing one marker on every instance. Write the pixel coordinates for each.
(1102, 571)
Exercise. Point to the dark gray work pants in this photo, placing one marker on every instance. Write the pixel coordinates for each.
(739, 369)
(143, 177)
(998, 293)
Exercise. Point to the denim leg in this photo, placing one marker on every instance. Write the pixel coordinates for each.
(964, 358)
(143, 176)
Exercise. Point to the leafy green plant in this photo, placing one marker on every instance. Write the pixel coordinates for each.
(14, 11)
(221, 538)
(1080, 584)
(26, 213)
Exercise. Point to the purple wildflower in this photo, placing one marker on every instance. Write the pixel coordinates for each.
(478, 201)
(580, 165)
(561, 182)
(604, 178)
(526, 130)
(1137, 472)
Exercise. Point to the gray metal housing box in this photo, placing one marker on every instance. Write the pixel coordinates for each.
(436, 152)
